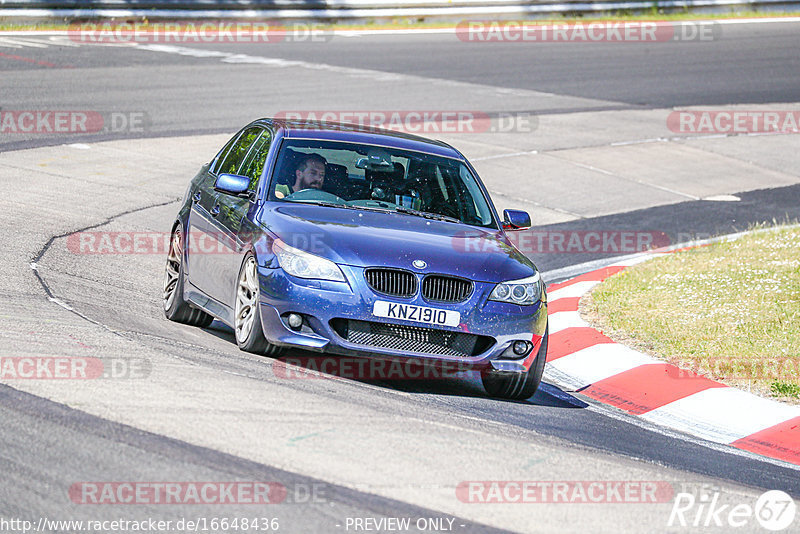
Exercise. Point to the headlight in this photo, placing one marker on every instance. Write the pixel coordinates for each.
(304, 265)
(525, 292)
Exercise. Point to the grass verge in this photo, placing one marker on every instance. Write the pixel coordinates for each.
(730, 311)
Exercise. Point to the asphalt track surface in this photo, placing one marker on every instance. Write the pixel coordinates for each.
(744, 64)
(557, 435)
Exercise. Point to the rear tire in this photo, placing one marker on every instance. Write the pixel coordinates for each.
(175, 308)
(247, 318)
(515, 386)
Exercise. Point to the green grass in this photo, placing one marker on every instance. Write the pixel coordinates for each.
(730, 311)
(403, 23)
(786, 389)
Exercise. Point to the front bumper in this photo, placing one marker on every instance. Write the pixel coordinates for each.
(324, 304)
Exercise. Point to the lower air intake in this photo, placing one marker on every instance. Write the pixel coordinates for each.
(405, 339)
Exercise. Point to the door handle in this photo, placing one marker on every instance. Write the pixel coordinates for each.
(196, 197)
(215, 210)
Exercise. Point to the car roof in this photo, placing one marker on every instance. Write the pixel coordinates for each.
(335, 131)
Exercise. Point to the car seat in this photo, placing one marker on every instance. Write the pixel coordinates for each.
(385, 184)
(336, 180)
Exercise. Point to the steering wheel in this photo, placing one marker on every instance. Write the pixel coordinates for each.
(315, 194)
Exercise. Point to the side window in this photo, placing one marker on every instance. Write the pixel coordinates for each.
(221, 156)
(233, 159)
(253, 167)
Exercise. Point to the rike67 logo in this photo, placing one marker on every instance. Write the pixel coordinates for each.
(774, 510)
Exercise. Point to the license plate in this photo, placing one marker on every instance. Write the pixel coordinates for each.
(419, 314)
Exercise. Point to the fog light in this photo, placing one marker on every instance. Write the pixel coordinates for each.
(520, 348)
(295, 321)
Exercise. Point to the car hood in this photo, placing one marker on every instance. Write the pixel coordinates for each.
(373, 239)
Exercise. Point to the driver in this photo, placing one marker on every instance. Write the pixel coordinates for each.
(309, 174)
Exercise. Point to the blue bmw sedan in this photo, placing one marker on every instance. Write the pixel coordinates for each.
(359, 242)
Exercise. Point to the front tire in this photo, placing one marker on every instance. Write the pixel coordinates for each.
(247, 318)
(515, 386)
(175, 308)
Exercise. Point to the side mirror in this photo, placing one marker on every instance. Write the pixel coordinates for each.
(232, 184)
(516, 220)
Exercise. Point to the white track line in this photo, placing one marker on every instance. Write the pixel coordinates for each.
(599, 362)
(563, 320)
(722, 415)
(578, 289)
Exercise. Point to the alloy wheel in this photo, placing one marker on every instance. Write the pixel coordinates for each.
(173, 268)
(246, 300)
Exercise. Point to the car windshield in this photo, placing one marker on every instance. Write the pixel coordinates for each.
(359, 176)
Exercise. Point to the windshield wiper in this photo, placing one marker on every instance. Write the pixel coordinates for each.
(427, 215)
(399, 209)
(335, 205)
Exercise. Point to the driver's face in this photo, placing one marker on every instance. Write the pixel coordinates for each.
(312, 177)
